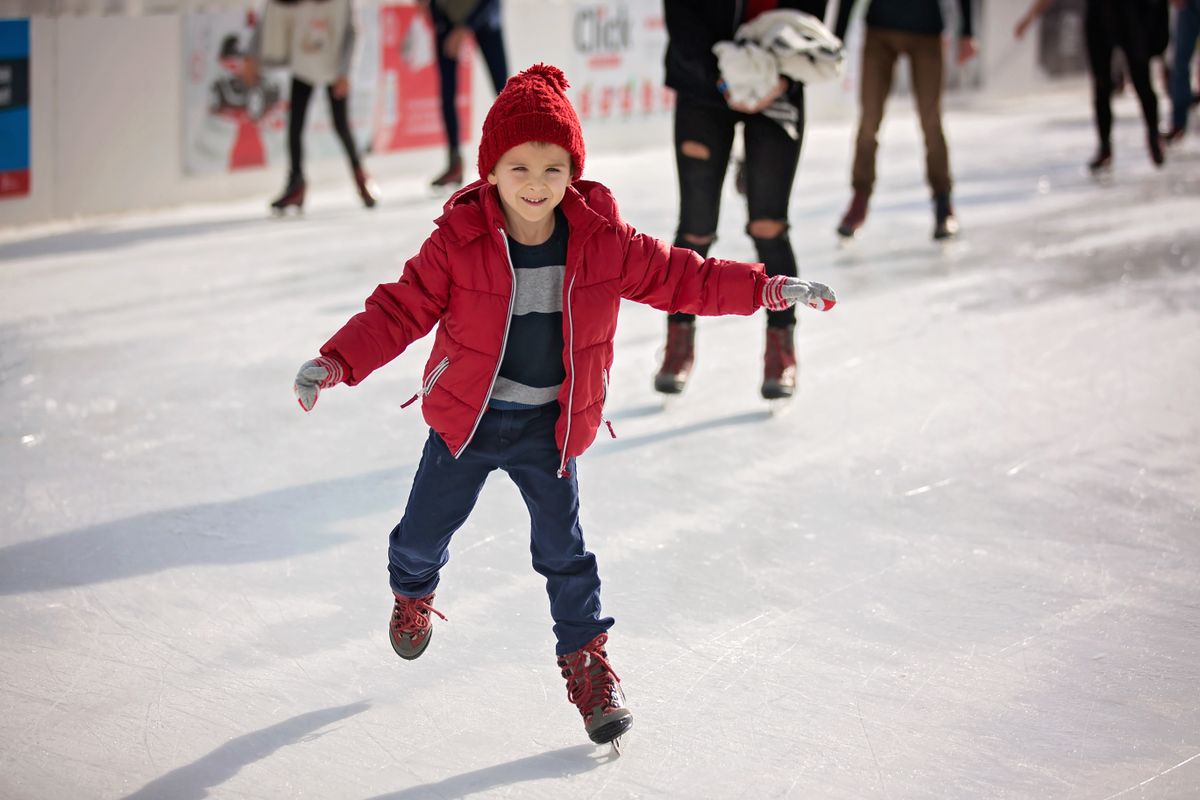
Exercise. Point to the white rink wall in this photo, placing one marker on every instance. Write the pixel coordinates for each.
(107, 114)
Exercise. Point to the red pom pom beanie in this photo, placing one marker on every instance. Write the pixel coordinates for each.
(533, 107)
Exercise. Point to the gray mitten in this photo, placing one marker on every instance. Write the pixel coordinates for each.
(780, 292)
(320, 373)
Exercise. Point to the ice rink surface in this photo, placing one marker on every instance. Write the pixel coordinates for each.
(965, 564)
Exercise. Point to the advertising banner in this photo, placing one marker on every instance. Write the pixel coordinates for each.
(616, 60)
(230, 126)
(14, 108)
(409, 112)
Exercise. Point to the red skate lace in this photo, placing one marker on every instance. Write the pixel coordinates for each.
(584, 689)
(411, 614)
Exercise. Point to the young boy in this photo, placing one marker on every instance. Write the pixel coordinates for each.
(523, 276)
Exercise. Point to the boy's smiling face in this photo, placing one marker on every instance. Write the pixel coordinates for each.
(532, 179)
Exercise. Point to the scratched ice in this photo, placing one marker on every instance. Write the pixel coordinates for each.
(964, 566)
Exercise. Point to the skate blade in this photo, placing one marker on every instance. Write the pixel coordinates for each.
(779, 406)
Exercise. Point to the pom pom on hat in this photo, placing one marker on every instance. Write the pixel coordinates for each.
(532, 107)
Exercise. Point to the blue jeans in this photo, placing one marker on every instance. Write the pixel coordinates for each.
(445, 490)
(1187, 28)
(490, 39)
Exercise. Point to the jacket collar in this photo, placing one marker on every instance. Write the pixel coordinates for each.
(475, 211)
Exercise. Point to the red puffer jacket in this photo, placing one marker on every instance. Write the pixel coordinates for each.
(463, 278)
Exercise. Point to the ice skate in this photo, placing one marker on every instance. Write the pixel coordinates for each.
(1101, 164)
(678, 357)
(945, 224)
(779, 365)
(368, 191)
(1154, 143)
(452, 177)
(595, 690)
(292, 197)
(855, 216)
(410, 628)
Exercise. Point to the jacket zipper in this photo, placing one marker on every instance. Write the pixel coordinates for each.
(562, 465)
(512, 298)
(427, 386)
(604, 402)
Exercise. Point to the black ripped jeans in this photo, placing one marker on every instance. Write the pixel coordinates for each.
(770, 169)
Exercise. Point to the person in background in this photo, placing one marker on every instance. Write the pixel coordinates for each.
(1111, 24)
(453, 22)
(1186, 30)
(523, 278)
(315, 40)
(911, 28)
(706, 120)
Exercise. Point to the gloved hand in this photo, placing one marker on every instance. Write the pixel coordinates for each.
(780, 291)
(320, 373)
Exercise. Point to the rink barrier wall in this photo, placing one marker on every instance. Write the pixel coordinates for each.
(106, 80)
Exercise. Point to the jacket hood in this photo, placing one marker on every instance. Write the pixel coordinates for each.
(475, 210)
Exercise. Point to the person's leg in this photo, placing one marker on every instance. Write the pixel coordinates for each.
(556, 537)
(926, 57)
(703, 140)
(772, 157)
(448, 86)
(1100, 50)
(1132, 33)
(770, 171)
(878, 63)
(927, 63)
(339, 110)
(443, 493)
(298, 100)
(1187, 29)
(490, 39)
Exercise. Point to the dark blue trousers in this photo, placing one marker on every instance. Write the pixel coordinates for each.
(445, 490)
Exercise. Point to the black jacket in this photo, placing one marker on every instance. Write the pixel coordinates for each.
(694, 26)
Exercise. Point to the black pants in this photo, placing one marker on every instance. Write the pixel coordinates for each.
(491, 44)
(338, 107)
(770, 169)
(1124, 24)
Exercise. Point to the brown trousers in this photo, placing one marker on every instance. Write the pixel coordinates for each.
(880, 52)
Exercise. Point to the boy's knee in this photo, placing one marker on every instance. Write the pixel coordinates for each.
(693, 149)
(697, 238)
(767, 228)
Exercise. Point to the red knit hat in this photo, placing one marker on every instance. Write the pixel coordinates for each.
(533, 107)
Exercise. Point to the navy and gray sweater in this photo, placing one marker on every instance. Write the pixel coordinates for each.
(909, 16)
(532, 370)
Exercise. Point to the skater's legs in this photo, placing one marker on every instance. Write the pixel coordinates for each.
(556, 537)
(1133, 36)
(301, 93)
(339, 109)
(1100, 50)
(443, 493)
(927, 62)
(491, 44)
(703, 141)
(1187, 29)
(448, 83)
(878, 63)
(772, 157)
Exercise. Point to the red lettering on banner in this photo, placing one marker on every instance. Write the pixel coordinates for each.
(14, 183)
